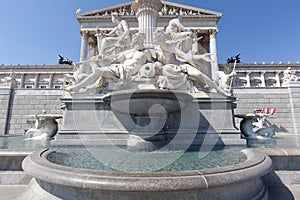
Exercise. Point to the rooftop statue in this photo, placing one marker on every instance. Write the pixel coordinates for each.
(289, 76)
(234, 59)
(62, 60)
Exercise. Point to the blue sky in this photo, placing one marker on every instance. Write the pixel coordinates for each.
(36, 31)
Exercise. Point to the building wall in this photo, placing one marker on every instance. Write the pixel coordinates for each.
(24, 103)
(249, 99)
(261, 91)
(4, 105)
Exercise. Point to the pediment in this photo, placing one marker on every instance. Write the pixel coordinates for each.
(168, 9)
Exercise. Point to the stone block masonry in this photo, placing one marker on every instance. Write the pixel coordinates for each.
(18, 104)
(282, 99)
(4, 104)
(25, 103)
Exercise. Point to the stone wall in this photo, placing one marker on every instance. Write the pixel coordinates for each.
(18, 104)
(25, 103)
(4, 104)
(250, 99)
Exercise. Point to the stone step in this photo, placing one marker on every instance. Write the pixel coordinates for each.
(14, 178)
(288, 177)
(13, 192)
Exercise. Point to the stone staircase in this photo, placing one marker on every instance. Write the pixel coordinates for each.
(13, 180)
(284, 184)
(284, 181)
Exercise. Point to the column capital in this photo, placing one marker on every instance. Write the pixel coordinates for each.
(262, 72)
(213, 32)
(140, 4)
(84, 34)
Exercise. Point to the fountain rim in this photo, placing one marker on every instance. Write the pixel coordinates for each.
(256, 165)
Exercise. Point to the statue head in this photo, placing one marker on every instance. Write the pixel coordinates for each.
(160, 36)
(227, 68)
(115, 17)
(138, 40)
(180, 17)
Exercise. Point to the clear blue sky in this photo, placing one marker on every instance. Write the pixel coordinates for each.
(36, 31)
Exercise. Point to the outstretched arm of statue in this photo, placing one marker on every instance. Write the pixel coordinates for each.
(189, 57)
(112, 33)
(206, 57)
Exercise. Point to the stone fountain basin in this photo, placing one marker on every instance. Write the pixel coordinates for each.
(139, 102)
(240, 181)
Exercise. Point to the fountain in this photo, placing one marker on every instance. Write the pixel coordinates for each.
(150, 101)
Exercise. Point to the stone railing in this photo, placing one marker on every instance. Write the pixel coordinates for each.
(264, 75)
(36, 76)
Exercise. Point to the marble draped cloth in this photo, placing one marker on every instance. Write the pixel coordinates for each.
(122, 74)
(174, 77)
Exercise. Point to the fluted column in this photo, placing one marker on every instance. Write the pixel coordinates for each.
(36, 81)
(248, 84)
(22, 80)
(277, 77)
(213, 51)
(147, 15)
(84, 45)
(263, 81)
(51, 80)
(92, 48)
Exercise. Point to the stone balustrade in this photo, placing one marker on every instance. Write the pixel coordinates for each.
(47, 77)
(263, 76)
(37, 76)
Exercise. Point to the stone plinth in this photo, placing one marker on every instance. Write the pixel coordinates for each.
(153, 116)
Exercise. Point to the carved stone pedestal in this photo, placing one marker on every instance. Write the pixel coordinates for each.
(148, 119)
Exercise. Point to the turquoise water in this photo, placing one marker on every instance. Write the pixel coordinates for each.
(21, 142)
(80, 157)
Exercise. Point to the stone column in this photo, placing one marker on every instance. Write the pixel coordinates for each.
(147, 15)
(248, 84)
(51, 80)
(263, 81)
(22, 80)
(36, 81)
(84, 46)
(213, 51)
(277, 78)
(92, 47)
(99, 37)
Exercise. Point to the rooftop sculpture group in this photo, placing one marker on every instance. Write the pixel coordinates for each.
(171, 63)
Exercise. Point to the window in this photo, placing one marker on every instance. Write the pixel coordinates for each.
(43, 86)
(28, 86)
(57, 86)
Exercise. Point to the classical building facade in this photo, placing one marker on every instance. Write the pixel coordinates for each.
(35, 88)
